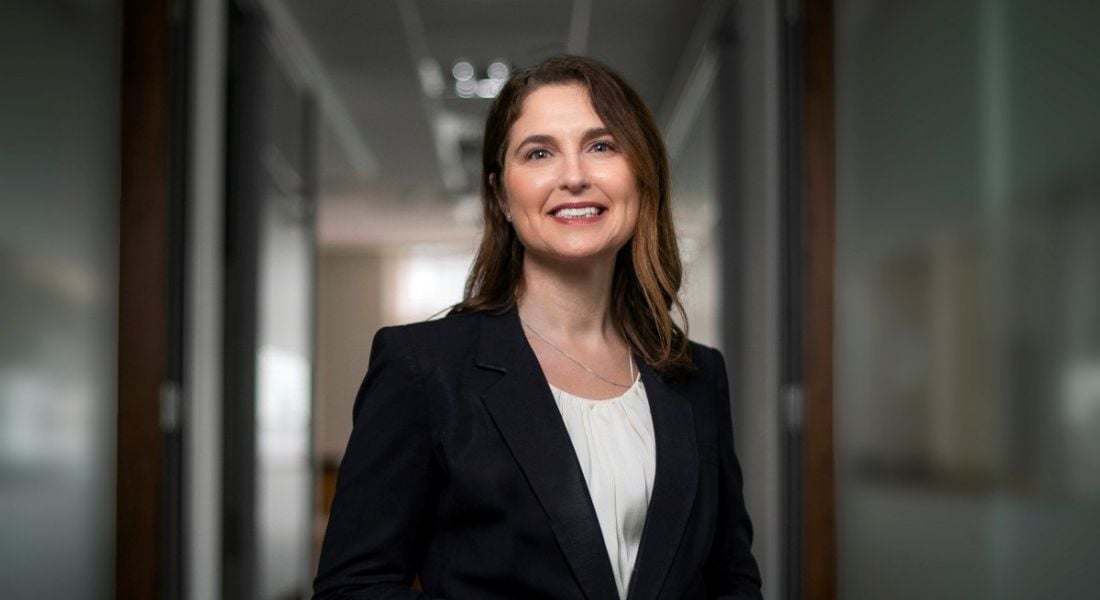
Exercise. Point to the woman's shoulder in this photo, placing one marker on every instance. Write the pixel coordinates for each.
(707, 386)
(445, 324)
(708, 367)
(435, 342)
(450, 330)
(701, 353)
(704, 358)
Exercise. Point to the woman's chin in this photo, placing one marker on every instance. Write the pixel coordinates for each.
(578, 257)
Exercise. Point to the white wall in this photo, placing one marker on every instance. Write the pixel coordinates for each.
(349, 311)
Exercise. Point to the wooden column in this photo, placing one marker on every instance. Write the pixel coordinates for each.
(819, 493)
(143, 291)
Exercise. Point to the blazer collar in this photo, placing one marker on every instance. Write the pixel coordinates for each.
(674, 485)
(523, 409)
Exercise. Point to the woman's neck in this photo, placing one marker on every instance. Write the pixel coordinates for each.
(567, 301)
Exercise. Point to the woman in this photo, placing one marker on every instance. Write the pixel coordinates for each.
(556, 435)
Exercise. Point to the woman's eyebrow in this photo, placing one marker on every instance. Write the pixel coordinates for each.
(596, 132)
(547, 140)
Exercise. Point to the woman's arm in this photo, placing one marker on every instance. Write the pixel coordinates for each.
(381, 515)
(731, 571)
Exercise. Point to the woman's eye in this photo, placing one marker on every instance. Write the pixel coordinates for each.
(602, 147)
(538, 154)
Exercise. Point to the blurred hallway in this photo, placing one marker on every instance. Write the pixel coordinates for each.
(889, 216)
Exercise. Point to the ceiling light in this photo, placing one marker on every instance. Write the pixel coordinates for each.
(466, 88)
(489, 88)
(462, 71)
(498, 70)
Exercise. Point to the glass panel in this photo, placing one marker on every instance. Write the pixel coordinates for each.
(695, 210)
(283, 397)
(284, 356)
(58, 299)
(968, 281)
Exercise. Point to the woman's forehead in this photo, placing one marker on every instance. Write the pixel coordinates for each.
(557, 106)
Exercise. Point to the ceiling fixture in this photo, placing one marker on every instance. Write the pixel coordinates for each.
(462, 71)
(467, 84)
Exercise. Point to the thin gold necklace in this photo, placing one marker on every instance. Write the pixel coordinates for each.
(629, 358)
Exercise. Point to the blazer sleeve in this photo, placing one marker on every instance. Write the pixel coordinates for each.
(381, 514)
(731, 571)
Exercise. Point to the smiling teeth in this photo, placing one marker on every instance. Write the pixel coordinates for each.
(577, 213)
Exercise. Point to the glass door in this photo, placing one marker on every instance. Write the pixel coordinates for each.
(267, 479)
(968, 299)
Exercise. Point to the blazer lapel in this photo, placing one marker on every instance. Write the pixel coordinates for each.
(522, 407)
(674, 485)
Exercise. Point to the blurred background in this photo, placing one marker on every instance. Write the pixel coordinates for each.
(889, 214)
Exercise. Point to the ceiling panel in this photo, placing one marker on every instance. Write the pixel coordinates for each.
(370, 51)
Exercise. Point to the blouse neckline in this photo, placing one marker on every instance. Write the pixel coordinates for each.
(611, 400)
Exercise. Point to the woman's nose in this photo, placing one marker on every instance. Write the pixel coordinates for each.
(574, 176)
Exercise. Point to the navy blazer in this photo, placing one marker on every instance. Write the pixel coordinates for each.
(460, 470)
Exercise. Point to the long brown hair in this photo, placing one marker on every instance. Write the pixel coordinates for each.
(646, 283)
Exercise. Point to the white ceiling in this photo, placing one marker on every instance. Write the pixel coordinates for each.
(386, 145)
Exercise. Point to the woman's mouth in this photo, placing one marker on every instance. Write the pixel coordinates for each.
(578, 212)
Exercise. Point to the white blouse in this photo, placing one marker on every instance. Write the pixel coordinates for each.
(614, 442)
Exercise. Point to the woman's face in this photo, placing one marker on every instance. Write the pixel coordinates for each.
(568, 187)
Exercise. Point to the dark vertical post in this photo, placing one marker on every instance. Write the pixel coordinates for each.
(819, 494)
(730, 186)
(143, 339)
(172, 425)
(244, 190)
(792, 326)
